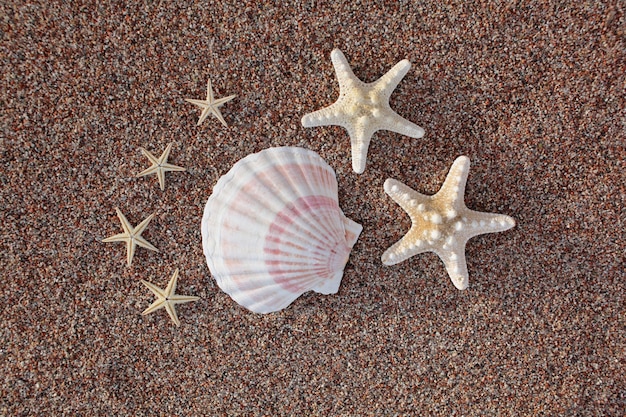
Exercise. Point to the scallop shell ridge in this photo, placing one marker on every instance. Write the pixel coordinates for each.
(272, 229)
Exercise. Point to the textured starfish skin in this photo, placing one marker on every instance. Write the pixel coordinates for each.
(442, 223)
(167, 298)
(210, 105)
(159, 165)
(363, 108)
(131, 236)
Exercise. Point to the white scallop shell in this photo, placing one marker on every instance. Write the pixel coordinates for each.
(273, 230)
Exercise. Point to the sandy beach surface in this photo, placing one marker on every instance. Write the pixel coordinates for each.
(532, 92)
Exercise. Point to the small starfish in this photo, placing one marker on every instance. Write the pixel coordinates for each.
(132, 236)
(210, 105)
(442, 223)
(167, 298)
(159, 166)
(363, 108)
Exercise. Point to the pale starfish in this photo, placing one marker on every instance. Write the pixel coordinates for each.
(159, 165)
(167, 298)
(210, 105)
(442, 223)
(131, 236)
(363, 108)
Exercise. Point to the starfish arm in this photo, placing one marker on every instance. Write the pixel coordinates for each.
(131, 245)
(209, 91)
(388, 82)
(223, 100)
(141, 226)
(155, 290)
(360, 132)
(182, 299)
(456, 266)
(140, 241)
(453, 188)
(328, 116)
(479, 223)
(203, 104)
(359, 144)
(217, 113)
(149, 155)
(166, 154)
(171, 311)
(120, 237)
(148, 171)
(343, 71)
(407, 198)
(398, 124)
(405, 248)
(156, 305)
(171, 286)
(161, 176)
(125, 223)
(169, 167)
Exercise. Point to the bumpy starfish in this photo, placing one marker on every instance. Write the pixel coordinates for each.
(159, 165)
(442, 223)
(210, 105)
(167, 298)
(363, 108)
(131, 236)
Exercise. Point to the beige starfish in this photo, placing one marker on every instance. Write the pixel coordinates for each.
(442, 223)
(159, 165)
(363, 108)
(210, 105)
(167, 298)
(131, 236)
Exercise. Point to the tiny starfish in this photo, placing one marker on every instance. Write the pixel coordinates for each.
(159, 166)
(442, 223)
(132, 236)
(363, 108)
(167, 298)
(210, 105)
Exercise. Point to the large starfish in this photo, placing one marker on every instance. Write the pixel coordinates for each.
(167, 298)
(210, 105)
(131, 236)
(363, 108)
(442, 223)
(159, 165)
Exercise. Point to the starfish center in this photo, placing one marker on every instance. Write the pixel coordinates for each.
(362, 104)
(433, 222)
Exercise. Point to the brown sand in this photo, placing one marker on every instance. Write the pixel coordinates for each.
(534, 95)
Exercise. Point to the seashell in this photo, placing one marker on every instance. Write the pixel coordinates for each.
(273, 230)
